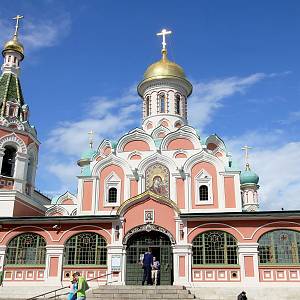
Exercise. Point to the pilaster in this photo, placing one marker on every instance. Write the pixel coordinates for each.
(182, 264)
(54, 263)
(248, 260)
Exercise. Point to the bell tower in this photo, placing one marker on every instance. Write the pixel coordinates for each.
(164, 91)
(18, 139)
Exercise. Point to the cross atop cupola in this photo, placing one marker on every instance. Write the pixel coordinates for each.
(164, 33)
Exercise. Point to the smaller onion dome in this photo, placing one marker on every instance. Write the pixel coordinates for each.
(88, 154)
(13, 45)
(248, 176)
(86, 157)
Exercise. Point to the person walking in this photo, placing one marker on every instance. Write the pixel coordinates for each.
(82, 286)
(147, 266)
(155, 271)
(242, 296)
(73, 289)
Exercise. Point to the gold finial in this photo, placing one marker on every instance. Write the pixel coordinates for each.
(91, 138)
(246, 149)
(17, 18)
(163, 33)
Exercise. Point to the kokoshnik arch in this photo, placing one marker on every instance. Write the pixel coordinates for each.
(160, 186)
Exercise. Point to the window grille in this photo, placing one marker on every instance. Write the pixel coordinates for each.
(203, 193)
(279, 247)
(162, 103)
(26, 249)
(214, 247)
(112, 195)
(177, 104)
(86, 249)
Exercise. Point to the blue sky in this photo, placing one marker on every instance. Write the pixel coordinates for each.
(83, 61)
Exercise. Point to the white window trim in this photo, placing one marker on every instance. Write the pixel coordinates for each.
(112, 180)
(203, 178)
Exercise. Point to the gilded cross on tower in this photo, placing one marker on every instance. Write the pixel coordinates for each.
(163, 33)
(17, 18)
(246, 149)
(91, 138)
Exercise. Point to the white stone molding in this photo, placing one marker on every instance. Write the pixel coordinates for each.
(183, 250)
(214, 139)
(181, 133)
(248, 250)
(13, 140)
(203, 178)
(104, 144)
(56, 210)
(2, 256)
(54, 251)
(136, 134)
(112, 181)
(155, 133)
(66, 195)
(148, 228)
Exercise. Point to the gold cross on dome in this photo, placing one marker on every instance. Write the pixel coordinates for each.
(163, 33)
(246, 149)
(17, 18)
(91, 138)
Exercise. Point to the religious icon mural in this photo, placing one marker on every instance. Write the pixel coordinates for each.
(158, 179)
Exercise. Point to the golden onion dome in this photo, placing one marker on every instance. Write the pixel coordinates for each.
(164, 68)
(14, 45)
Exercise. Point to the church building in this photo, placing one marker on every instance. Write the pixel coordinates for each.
(160, 186)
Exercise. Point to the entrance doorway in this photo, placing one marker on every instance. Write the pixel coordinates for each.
(161, 248)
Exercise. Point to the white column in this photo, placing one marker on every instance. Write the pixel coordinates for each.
(115, 264)
(2, 258)
(182, 266)
(248, 260)
(54, 264)
(1, 157)
(20, 172)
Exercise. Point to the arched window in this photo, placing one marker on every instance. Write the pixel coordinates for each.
(112, 195)
(279, 247)
(177, 104)
(203, 193)
(86, 248)
(8, 162)
(147, 104)
(214, 247)
(26, 249)
(162, 103)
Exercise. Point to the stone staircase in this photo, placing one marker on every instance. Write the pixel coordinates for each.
(140, 292)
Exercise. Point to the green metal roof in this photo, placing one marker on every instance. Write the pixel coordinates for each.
(10, 89)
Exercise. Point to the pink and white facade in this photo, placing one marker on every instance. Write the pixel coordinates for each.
(162, 180)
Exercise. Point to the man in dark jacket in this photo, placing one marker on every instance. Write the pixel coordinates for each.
(242, 296)
(147, 266)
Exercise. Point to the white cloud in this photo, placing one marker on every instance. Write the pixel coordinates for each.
(108, 118)
(207, 97)
(35, 34)
(277, 164)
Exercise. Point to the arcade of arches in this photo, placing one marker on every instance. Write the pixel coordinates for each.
(210, 249)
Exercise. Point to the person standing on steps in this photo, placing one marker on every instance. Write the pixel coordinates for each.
(242, 296)
(155, 271)
(82, 286)
(147, 266)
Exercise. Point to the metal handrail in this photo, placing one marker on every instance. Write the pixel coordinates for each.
(63, 288)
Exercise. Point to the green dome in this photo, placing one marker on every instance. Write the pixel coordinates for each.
(88, 154)
(248, 176)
